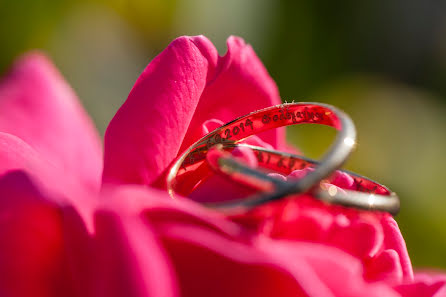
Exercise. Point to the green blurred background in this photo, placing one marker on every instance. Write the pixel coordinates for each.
(383, 62)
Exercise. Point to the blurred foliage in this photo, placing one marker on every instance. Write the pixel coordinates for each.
(383, 62)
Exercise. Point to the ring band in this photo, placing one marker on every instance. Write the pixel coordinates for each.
(368, 195)
(190, 168)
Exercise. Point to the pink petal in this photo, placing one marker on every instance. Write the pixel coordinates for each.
(424, 284)
(300, 173)
(386, 266)
(343, 180)
(182, 88)
(197, 241)
(38, 106)
(16, 155)
(245, 155)
(394, 240)
(360, 238)
(239, 86)
(31, 241)
(213, 256)
(209, 265)
(364, 235)
(47, 250)
(301, 224)
(225, 267)
(158, 208)
(146, 132)
(128, 260)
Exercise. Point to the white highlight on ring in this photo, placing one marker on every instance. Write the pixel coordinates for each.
(349, 141)
(371, 201)
(332, 190)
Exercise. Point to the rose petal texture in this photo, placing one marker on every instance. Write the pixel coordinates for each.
(30, 240)
(372, 237)
(16, 155)
(37, 106)
(187, 84)
(46, 249)
(213, 256)
(432, 284)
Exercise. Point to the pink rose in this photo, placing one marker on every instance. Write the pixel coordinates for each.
(64, 232)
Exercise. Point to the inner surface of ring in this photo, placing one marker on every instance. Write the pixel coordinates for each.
(362, 193)
(284, 163)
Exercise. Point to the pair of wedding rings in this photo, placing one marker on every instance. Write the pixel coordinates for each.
(192, 167)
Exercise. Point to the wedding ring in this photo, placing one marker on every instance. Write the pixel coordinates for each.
(367, 194)
(191, 168)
